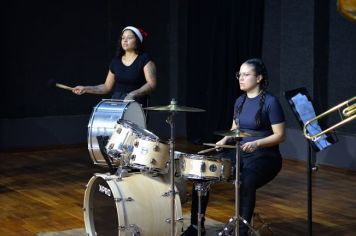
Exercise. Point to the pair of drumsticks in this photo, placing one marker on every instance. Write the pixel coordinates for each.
(215, 146)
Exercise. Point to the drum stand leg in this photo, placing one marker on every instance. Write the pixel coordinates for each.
(201, 188)
(170, 121)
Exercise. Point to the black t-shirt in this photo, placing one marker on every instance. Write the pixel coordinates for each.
(272, 113)
(128, 78)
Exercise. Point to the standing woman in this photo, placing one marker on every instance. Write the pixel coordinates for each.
(132, 73)
(260, 113)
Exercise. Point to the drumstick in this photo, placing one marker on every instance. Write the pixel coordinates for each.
(206, 150)
(62, 86)
(219, 146)
(53, 83)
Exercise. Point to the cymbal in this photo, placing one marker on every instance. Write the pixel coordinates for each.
(173, 107)
(218, 145)
(233, 133)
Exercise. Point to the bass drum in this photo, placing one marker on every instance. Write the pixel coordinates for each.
(102, 124)
(133, 205)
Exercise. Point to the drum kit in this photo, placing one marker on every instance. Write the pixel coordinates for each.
(146, 173)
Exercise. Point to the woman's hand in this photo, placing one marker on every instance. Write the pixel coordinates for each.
(250, 146)
(79, 90)
(130, 96)
(221, 142)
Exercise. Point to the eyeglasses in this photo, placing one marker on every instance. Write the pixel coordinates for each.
(242, 75)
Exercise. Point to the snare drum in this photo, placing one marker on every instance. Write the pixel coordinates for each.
(134, 205)
(102, 124)
(201, 167)
(150, 154)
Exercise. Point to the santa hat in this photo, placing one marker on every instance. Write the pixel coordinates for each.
(141, 34)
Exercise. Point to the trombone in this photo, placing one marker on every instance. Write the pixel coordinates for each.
(348, 114)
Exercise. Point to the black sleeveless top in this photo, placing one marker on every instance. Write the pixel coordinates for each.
(129, 78)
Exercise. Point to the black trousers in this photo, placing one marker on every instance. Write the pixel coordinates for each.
(256, 170)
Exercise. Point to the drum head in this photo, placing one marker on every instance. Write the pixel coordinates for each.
(102, 209)
(102, 124)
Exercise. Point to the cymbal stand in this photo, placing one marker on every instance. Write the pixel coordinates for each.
(237, 218)
(170, 121)
(237, 187)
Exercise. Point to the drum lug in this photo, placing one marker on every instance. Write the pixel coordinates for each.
(118, 199)
(202, 167)
(156, 148)
(179, 219)
(136, 143)
(153, 161)
(133, 157)
(129, 199)
(111, 146)
(169, 193)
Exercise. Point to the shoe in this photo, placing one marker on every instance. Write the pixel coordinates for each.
(193, 231)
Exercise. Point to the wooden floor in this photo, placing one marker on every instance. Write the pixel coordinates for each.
(43, 191)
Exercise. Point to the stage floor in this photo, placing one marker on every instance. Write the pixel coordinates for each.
(43, 190)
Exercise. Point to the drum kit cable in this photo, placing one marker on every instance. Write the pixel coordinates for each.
(117, 138)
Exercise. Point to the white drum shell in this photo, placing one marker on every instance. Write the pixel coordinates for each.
(150, 155)
(138, 200)
(204, 168)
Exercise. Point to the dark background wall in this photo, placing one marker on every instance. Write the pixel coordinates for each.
(311, 45)
(304, 44)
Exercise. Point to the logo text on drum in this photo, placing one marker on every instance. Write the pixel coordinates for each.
(104, 190)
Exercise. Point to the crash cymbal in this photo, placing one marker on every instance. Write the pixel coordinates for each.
(219, 146)
(173, 107)
(233, 133)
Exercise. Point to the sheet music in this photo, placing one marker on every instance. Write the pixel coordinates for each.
(306, 112)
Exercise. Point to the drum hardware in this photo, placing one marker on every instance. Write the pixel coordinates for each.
(133, 229)
(101, 142)
(173, 108)
(202, 188)
(179, 219)
(229, 227)
(238, 135)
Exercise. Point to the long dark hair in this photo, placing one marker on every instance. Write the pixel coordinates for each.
(259, 69)
(138, 47)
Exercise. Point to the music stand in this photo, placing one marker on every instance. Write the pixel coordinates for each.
(303, 109)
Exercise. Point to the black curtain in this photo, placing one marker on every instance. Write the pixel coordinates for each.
(220, 36)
